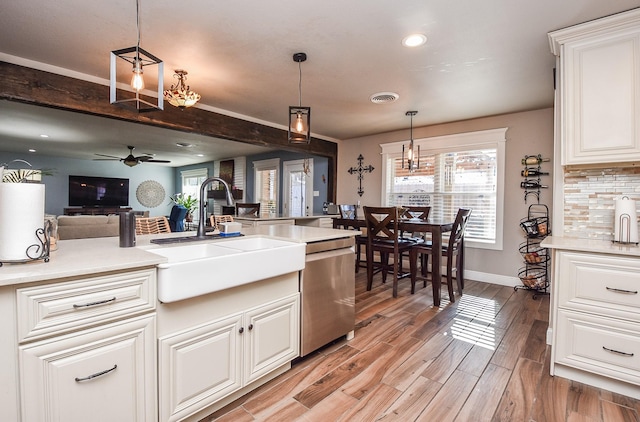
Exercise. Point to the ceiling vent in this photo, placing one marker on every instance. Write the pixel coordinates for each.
(384, 97)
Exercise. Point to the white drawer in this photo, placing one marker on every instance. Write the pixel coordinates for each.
(599, 345)
(58, 307)
(605, 285)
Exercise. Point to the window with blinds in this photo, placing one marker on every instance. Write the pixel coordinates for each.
(452, 174)
(191, 181)
(266, 178)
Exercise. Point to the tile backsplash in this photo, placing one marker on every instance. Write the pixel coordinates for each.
(590, 196)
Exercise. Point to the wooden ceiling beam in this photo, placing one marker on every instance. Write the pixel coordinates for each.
(37, 87)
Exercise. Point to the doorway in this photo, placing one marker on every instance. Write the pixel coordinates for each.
(298, 187)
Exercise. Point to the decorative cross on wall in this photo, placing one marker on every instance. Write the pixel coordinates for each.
(360, 170)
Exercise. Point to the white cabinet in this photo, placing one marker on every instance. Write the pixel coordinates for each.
(596, 314)
(203, 364)
(102, 374)
(599, 82)
(272, 337)
(86, 348)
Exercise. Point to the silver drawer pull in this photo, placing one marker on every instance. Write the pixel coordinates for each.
(617, 352)
(102, 302)
(631, 292)
(96, 375)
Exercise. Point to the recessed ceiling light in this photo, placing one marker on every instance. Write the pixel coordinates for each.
(44, 136)
(414, 40)
(199, 155)
(32, 150)
(184, 145)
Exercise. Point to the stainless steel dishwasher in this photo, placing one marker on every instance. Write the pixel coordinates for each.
(327, 288)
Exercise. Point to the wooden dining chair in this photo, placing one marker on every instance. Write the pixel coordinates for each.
(152, 225)
(415, 212)
(247, 209)
(215, 220)
(383, 236)
(452, 251)
(350, 212)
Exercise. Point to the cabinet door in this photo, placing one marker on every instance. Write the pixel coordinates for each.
(104, 374)
(271, 336)
(601, 101)
(199, 366)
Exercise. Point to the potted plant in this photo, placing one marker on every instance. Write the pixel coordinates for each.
(188, 201)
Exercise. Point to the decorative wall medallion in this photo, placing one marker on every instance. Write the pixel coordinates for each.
(150, 193)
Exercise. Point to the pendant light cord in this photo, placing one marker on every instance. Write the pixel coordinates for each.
(300, 84)
(138, 24)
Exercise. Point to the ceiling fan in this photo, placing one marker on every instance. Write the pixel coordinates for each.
(130, 160)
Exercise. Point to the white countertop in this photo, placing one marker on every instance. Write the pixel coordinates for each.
(590, 245)
(284, 217)
(81, 257)
(300, 233)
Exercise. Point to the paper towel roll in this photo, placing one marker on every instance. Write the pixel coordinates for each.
(625, 225)
(21, 214)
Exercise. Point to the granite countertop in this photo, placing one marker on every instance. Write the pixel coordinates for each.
(81, 257)
(591, 245)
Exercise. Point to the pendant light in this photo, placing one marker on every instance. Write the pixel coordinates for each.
(140, 60)
(180, 95)
(413, 156)
(299, 117)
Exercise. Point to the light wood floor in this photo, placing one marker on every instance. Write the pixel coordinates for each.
(482, 358)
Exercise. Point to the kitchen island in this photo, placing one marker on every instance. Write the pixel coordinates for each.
(316, 220)
(595, 313)
(84, 334)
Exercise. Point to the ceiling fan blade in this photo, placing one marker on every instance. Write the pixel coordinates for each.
(113, 157)
(157, 161)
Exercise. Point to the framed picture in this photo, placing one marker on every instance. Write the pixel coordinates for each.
(226, 171)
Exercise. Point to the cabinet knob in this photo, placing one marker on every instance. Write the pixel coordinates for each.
(241, 330)
(250, 327)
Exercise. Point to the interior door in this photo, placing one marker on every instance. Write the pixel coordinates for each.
(298, 187)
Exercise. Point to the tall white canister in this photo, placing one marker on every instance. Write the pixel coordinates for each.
(625, 224)
(21, 215)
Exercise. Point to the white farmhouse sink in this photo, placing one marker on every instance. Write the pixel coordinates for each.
(199, 268)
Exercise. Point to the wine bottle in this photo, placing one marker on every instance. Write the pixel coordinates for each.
(530, 160)
(532, 172)
(532, 184)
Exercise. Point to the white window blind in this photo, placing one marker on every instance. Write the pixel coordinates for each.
(465, 170)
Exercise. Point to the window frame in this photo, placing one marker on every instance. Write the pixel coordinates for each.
(193, 173)
(492, 138)
(262, 165)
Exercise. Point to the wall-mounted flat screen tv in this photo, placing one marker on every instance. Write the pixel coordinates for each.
(88, 191)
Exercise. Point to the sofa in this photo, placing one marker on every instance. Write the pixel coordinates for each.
(86, 226)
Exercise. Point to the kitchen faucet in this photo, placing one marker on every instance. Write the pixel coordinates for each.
(203, 206)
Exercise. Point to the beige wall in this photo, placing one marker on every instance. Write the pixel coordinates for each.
(528, 133)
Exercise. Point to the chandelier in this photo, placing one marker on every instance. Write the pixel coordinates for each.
(139, 59)
(180, 95)
(413, 157)
(299, 117)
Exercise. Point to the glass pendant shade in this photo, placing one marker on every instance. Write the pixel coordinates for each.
(137, 80)
(180, 95)
(299, 125)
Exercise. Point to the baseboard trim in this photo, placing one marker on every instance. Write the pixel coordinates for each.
(502, 280)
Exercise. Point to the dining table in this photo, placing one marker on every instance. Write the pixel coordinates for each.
(434, 225)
